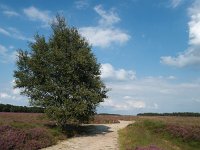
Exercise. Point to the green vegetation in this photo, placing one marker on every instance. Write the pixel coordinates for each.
(164, 134)
(62, 75)
(184, 114)
(12, 108)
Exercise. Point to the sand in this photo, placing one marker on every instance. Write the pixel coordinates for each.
(101, 137)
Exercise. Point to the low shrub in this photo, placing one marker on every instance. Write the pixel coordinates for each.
(19, 139)
(187, 133)
(152, 147)
(166, 136)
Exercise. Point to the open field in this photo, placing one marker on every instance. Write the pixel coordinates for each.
(103, 119)
(166, 133)
(34, 130)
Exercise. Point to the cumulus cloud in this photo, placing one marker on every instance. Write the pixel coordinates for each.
(191, 56)
(194, 24)
(35, 14)
(108, 72)
(149, 94)
(104, 37)
(8, 95)
(124, 104)
(105, 33)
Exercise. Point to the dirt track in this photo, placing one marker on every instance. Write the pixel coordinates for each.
(102, 137)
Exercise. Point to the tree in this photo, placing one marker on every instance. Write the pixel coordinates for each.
(61, 74)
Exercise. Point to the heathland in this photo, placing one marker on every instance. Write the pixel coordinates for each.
(36, 131)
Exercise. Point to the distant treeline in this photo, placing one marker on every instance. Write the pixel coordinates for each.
(12, 108)
(184, 114)
(109, 114)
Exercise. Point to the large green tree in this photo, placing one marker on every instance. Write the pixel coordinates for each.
(61, 74)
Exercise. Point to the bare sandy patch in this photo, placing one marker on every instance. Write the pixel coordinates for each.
(101, 137)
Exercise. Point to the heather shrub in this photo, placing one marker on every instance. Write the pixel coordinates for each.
(106, 119)
(187, 133)
(165, 134)
(11, 138)
(20, 139)
(152, 147)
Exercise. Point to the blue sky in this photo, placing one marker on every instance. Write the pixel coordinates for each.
(149, 50)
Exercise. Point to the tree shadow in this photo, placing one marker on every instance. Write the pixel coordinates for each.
(71, 130)
(86, 130)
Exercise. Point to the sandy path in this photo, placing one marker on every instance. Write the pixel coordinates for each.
(102, 137)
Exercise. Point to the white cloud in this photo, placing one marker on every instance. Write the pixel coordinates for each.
(194, 24)
(188, 58)
(108, 72)
(18, 35)
(3, 50)
(155, 106)
(175, 3)
(81, 4)
(3, 31)
(149, 94)
(14, 33)
(38, 15)
(16, 91)
(10, 13)
(171, 77)
(8, 95)
(105, 33)
(124, 105)
(104, 37)
(136, 104)
(6, 56)
(107, 18)
(4, 96)
(191, 56)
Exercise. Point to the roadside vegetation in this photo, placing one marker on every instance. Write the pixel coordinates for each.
(161, 133)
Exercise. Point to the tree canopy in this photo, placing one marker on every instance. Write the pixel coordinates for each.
(61, 74)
